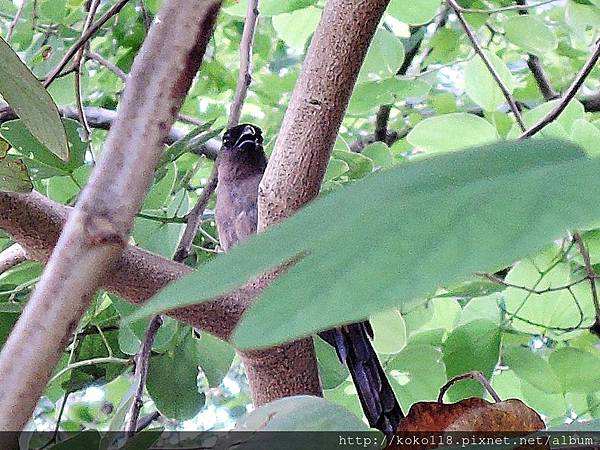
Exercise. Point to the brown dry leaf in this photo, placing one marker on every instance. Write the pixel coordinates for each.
(469, 415)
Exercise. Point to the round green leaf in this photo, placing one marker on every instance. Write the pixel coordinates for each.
(473, 346)
(389, 330)
(294, 28)
(529, 366)
(531, 34)
(451, 132)
(481, 86)
(417, 373)
(413, 12)
(384, 57)
(577, 370)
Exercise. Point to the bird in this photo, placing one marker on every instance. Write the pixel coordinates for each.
(240, 166)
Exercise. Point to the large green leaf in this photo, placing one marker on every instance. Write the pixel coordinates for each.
(440, 133)
(531, 34)
(413, 12)
(24, 93)
(301, 413)
(431, 222)
(473, 346)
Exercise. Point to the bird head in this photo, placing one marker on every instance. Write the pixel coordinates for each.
(245, 137)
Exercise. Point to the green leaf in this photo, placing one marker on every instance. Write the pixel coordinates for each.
(473, 346)
(268, 8)
(573, 112)
(300, 413)
(368, 96)
(538, 314)
(172, 381)
(384, 57)
(24, 93)
(529, 366)
(421, 241)
(331, 371)
(215, 358)
(417, 373)
(14, 176)
(335, 169)
(296, 27)
(413, 12)
(389, 330)
(360, 166)
(439, 133)
(586, 135)
(577, 370)
(41, 162)
(380, 154)
(481, 86)
(531, 34)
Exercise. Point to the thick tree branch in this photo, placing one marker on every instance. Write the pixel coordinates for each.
(300, 157)
(96, 231)
(35, 222)
(11, 256)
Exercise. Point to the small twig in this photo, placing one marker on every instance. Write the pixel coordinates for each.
(12, 256)
(245, 78)
(106, 63)
(476, 376)
(471, 35)
(589, 270)
(142, 360)
(174, 219)
(568, 95)
(82, 40)
(78, 65)
(493, 278)
(519, 7)
(146, 17)
(194, 217)
(15, 22)
(189, 119)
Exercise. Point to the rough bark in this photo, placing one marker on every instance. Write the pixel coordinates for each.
(299, 159)
(95, 233)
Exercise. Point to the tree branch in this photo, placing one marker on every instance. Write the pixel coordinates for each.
(568, 95)
(471, 35)
(535, 65)
(299, 159)
(96, 231)
(13, 24)
(88, 34)
(12, 256)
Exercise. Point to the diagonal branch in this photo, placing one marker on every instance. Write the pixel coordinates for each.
(568, 95)
(471, 35)
(97, 230)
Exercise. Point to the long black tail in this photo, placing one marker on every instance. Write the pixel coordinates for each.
(353, 345)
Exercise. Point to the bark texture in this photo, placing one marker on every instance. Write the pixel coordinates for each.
(95, 233)
(298, 162)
